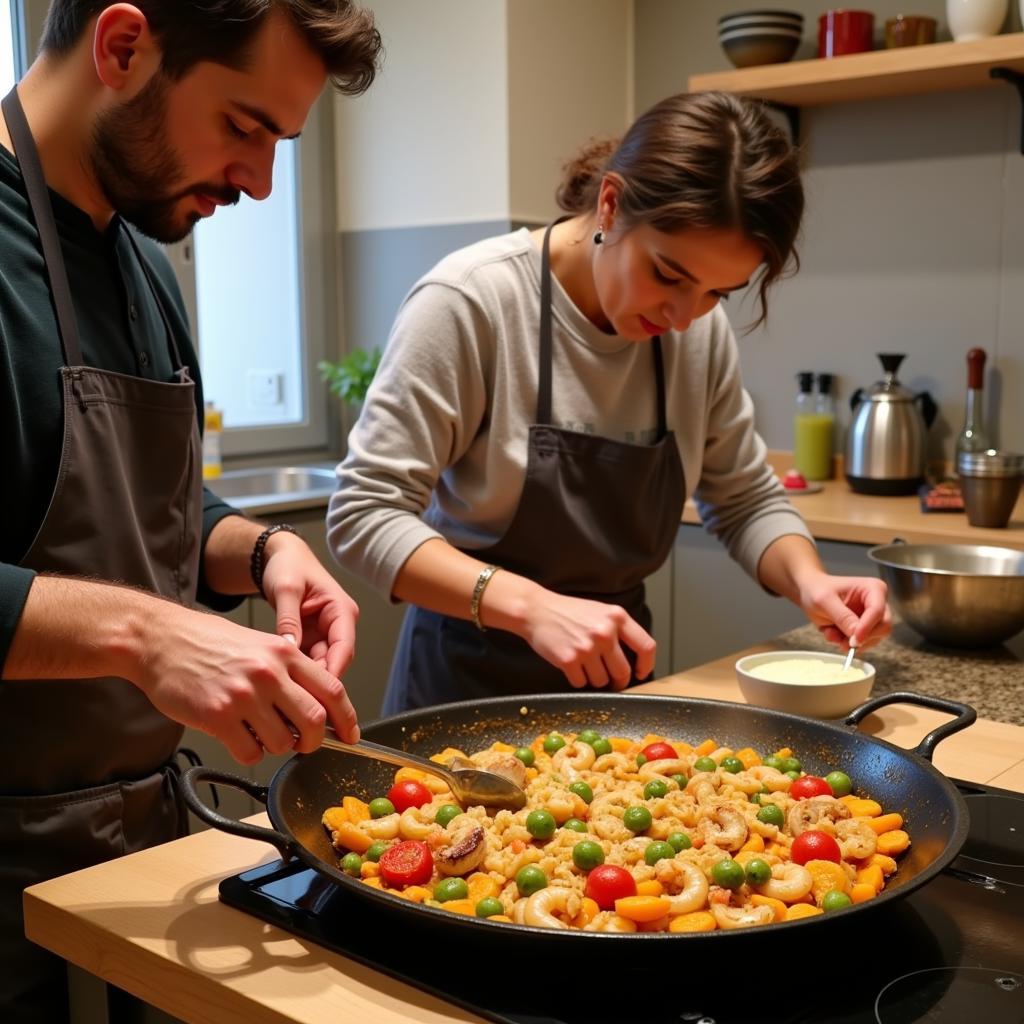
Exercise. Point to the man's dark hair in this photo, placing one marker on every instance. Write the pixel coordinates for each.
(190, 31)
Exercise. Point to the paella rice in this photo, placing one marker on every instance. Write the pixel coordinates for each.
(626, 835)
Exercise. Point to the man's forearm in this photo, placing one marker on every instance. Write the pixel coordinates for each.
(80, 629)
(228, 553)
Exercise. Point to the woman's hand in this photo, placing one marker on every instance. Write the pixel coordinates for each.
(584, 639)
(848, 607)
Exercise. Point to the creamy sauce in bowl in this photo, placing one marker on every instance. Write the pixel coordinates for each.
(805, 672)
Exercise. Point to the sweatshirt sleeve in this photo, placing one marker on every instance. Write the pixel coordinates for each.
(739, 498)
(426, 403)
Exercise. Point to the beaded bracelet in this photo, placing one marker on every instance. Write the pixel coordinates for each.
(256, 565)
(478, 592)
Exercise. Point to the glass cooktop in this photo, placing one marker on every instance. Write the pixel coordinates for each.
(952, 952)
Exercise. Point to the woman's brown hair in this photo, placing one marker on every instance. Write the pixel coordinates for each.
(700, 160)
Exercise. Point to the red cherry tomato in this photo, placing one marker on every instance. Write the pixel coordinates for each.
(659, 751)
(814, 845)
(808, 786)
(794, 480)
(407, 863)
(411, 793)
(608, 883)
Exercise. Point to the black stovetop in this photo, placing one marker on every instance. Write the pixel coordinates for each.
(952, 951)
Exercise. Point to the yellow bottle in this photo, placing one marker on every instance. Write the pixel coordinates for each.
(212, 429)
(813, 427)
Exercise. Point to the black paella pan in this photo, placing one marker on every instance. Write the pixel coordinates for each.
(934, 813)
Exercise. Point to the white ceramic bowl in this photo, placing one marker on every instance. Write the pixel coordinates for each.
(812, 699)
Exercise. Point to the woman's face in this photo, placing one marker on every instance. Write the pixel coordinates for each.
(648, 281)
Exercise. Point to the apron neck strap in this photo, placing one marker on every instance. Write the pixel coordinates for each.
(42, 211)
(544, 370)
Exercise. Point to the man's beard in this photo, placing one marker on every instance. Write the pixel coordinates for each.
(134, 163)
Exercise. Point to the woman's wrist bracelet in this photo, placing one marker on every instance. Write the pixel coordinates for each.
(257, 560)
(478, 592)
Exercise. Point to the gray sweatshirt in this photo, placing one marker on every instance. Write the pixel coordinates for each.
(440, 447)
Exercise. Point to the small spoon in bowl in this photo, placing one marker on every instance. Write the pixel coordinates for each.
(849, 654)
(470, 784)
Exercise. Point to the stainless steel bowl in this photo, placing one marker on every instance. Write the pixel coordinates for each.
(955, 595)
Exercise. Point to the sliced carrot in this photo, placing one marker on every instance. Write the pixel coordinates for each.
(828, 876)
(784, 752)
(891, 843)
(368, 869)
(352, 838)
(376, 882)
(861, 892)
(886, 863)
(446, 755)
(414, 893)
(642, 908)
(860, 808)
(620, 744)
(799, 910)
(500, 917)
(754, 844)
(705, 748)
(481, 886)
(333, 817)
(886, 822)
(871, 875)
(460, 907)
(652, 887)
(696, 921)
(749, 757)
(356, 809)
(503, 748)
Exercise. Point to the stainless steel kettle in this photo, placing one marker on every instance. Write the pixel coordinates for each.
(886, 445)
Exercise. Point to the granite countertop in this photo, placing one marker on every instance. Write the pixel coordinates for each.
(990, 680)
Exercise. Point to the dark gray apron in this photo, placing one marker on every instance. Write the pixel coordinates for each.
(595, 518)
(87, 766)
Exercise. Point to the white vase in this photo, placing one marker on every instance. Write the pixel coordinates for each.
(976, 19)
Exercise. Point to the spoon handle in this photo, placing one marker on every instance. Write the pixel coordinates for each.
(849, 657)
(375, 752)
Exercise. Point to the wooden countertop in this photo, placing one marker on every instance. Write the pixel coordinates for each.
(839, 513)
(152, 924)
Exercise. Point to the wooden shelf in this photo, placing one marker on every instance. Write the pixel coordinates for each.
(937, 67)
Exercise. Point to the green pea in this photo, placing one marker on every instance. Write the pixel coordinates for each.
(526, 755)
(381, 807)
(793, 775)
(658, 851)
(530, 879)
(446, 812)
(553, 743)
(758, 871)
(680, 781)
(655, 788)
(602, 746)
(755, 798)
(489, 906)
(679, 841)
(451, 889)
(641, 760)
(587, 855)
(731, 765)
(575, 825)
(835, 900)
(590, 736)
(773, 761)
(376, 850)
(839, 783)
(582, 790)
(637, 819)
(704, 764)
(771, 814)
(351, 863)
(728, 874)
(790, 764)
(540, 824)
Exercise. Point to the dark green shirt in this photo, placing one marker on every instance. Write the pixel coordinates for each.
(121, 330)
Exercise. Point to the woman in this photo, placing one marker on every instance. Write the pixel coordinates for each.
(548, 399)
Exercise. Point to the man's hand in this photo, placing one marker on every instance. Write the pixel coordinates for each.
(312, 609)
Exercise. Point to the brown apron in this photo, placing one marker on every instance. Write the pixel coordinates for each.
(87, 768)
(595, 518)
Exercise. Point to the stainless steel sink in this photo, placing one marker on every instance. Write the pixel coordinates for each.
(275, 486)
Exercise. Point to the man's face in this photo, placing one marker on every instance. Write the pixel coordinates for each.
(175, 151)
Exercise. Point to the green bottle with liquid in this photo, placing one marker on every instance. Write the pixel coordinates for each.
(814, 427)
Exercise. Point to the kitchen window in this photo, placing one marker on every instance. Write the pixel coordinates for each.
(12, 49)
(257, 281)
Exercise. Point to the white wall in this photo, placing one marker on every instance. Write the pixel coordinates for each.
(428, 143)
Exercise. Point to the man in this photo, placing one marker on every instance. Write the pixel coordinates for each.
(148, 115)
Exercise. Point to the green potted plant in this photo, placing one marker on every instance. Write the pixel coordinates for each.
(349, 378)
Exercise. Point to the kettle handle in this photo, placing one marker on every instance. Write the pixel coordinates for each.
(929, 409)
(856, 398)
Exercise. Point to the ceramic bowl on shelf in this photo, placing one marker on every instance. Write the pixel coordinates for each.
(757, 37)
(810, 683)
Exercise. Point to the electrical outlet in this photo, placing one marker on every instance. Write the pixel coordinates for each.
(263, 387)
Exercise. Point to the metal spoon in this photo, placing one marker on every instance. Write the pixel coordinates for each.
(471, 784)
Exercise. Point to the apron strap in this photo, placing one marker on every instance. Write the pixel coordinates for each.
(544, 369)
(35, 185)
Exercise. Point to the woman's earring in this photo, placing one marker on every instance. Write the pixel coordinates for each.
(599, 236)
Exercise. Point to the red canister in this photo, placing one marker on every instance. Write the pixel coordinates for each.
(841, 32)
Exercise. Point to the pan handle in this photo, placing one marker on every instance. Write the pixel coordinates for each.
(190, 780)
(965, 716)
